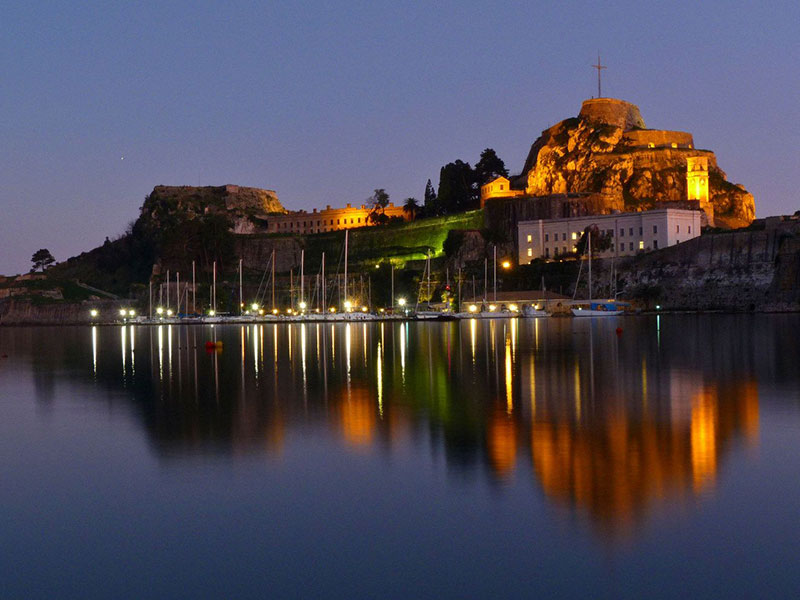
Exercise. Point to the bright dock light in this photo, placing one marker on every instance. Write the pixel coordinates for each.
(303, 305)
(254, 306)
(401, 301)
(506, 264)
(93, 312)
(160, 311)
(472, 308)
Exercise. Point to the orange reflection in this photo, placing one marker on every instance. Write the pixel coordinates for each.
(502, 443)
(616, 463)
(357, 417)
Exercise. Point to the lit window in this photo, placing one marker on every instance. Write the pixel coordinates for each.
(530, 238)
(574, 235)
(641, 244)
(530, 251)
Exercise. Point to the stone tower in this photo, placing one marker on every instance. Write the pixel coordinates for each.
(697, 184)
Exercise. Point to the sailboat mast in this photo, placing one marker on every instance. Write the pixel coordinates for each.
(495, 272)
(345, 265)
(273, 279)
(214, 288)
(194, 291)
(178, 284)
(167, 289)
(430, 295)
(302, 274)
(589, 243)
(241, 299)
(322, 289)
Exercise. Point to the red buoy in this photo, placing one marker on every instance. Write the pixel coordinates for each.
(619, 330)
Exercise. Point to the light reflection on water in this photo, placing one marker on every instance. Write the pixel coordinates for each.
(616, 429)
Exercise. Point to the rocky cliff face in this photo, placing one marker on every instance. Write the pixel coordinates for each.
(755, 269)
(242, 205)
(606, 150)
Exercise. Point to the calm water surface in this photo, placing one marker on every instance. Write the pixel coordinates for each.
(547, 457)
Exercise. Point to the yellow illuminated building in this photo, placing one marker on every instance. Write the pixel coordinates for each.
(329, 219)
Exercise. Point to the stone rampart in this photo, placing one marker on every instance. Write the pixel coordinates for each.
(657, 138)
(610, 111)
(741, 270)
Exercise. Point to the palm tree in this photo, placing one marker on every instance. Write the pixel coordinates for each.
(411, 208)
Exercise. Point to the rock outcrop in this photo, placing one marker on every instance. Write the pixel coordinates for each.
(607, 150)
(244, 206)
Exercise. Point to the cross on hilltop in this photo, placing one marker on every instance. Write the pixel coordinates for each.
(599, 68)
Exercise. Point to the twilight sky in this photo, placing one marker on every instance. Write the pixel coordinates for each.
(325, 101)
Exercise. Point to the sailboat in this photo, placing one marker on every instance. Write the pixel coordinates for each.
(533, 311)
(596, 308)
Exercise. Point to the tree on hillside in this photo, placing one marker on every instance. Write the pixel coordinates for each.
(489, 167)
(458, 190)
(42, 259)
(429, 205)
(600, 240)
(378, 203)
(411, 208)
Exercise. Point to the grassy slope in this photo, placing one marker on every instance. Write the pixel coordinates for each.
(400, 243)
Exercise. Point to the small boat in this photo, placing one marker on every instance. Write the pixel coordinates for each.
(598, 309)
(594, 308)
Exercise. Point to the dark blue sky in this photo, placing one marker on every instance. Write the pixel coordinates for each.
(325, 101)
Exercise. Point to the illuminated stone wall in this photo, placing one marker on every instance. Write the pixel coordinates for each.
(330, 219)
(657, 138)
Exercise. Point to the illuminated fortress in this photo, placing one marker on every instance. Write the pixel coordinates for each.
(608, 157)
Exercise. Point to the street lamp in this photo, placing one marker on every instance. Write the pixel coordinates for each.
(506, 264)
(401, 301)
(302, 305)
(159, 311)
(348, 305)
(254, 306)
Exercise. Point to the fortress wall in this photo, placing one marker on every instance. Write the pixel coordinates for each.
(658, 137)
(741, 270)
(611, 111)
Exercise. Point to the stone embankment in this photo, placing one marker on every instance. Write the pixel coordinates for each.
(753, 270)
(27, 312)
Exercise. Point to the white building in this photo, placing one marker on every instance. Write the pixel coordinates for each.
(629, 232)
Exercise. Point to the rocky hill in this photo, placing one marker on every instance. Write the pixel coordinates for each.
(244, 206)
(607, 150)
